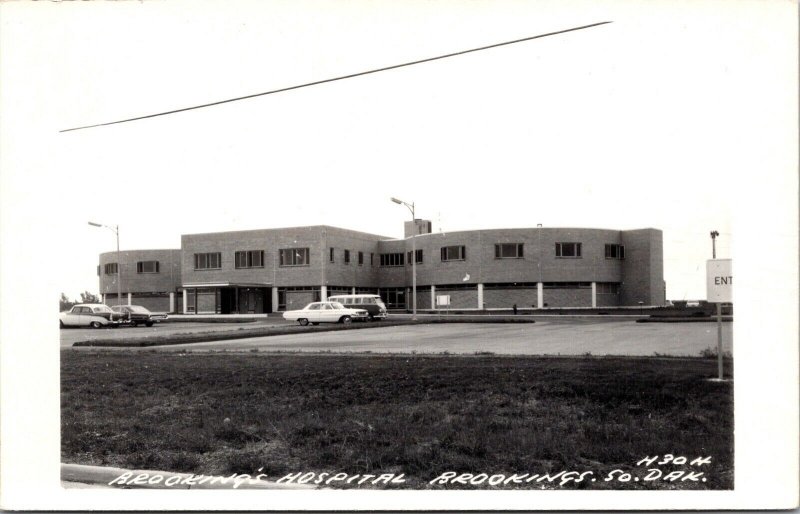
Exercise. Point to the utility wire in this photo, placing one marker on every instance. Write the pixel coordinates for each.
(338, 78)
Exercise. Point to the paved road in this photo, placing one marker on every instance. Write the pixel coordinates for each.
(552, 336)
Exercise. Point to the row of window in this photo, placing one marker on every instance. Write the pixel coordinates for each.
(301, 257)
(112, 268)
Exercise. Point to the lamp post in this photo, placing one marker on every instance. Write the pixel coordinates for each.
(114, 229)
(714, 235)
(413, 256)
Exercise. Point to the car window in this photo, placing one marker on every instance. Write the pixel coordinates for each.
(337, 305)
(313, 307)
(138, 308)
(369, 300)
(327, 307)
(102, 308)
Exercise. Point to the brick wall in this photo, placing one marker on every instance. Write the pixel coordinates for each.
(643, 268)
(506, 298)
(153, 303)
(167, 279)
(568, 297)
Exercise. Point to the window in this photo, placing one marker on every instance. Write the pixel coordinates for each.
(615, 252)
(250, 259)
(567, 285)
(454, 253)
(508, 251)
(294, 257)
(147, 267)
(332, 257)
(347, 256)
(607, 288)
(372, 259)
(208, 260)
(419, 257)
(111, 268)
(392, 259)
(572, 250)
(360, 258)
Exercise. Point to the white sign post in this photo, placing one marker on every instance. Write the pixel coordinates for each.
(443, 299)
(719, 289)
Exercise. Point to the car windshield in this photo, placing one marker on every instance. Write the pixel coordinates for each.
(138, 309)
(102, 308)
(337, 305)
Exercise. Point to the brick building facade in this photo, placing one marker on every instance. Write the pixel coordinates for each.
(258, 271)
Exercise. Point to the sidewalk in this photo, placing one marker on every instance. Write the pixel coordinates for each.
(79, 476)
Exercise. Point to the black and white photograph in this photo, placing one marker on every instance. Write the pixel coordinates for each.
(354, 255)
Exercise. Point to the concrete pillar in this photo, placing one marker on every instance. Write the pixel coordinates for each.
(323, 293)
(129, 299)
(594, 294)
(102, 298)
(274, 299)
(480, 296)
(185, 301)
(172, 302)
(354, 290)
(433, 297)
(539, 295)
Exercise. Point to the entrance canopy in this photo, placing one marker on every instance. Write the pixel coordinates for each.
(224, 284)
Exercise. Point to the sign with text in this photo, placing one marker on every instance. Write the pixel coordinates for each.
(443, 299)
(719, 281)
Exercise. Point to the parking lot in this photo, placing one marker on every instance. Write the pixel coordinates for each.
(548, 336)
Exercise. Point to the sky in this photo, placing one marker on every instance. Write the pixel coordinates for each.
(667, 118)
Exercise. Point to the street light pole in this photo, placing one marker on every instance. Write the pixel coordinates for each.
(413, 256)
(714, 235)
(115, 229)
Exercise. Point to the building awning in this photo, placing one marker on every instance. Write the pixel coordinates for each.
(224, 284)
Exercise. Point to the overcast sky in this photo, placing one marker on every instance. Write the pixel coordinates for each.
(665, 118)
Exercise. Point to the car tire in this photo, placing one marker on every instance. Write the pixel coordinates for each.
(149, 324)
(95, 324)
(303, 322)
(134, 323)
(315, 324)
(371, 318)
(346, 320)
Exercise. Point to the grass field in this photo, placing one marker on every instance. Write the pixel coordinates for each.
(416, 415)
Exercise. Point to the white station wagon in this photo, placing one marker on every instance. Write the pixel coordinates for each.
(325, 312)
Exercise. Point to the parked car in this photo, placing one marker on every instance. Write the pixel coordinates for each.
(325, 312)
(93, 315)
(372, 303)
(138, 315)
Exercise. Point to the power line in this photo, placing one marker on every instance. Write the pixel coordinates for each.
(337, 78)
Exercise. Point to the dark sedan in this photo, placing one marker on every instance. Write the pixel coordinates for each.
(138, 315)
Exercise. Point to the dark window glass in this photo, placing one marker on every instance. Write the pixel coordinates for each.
(392, 259)
(568, 250)
(111, 268)
(347, 256)
(332, 257)
(454, 253)
(360, 258)
(294, 257)
(147, 267)
(250, 259)
(207, 260)
(508, 251)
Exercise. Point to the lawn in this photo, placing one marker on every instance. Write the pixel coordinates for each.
(223, 413)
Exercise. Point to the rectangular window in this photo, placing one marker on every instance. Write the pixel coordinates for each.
(294, 257)
(360, 258)
(615, 252)
(208, 260)
(372, 259)
(567, 285)
(347, 256)
(570, 250)
(454, 253)
(332, 257)
(607, 288)
(392, 259)
(419, 257)
(249, 259)
(508, 251)
(147, 267)
(111, 268)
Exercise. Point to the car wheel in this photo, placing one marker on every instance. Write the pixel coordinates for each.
(149, 324)
(134, 323)
(346, 320)
(95, 324)
(303, 321)
(315, 324)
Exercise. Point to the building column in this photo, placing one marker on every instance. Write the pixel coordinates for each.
(185, 301)
(480, 296)
(323, 293)
(129, 298)
(102, 298)
(433, 297)
(354, 290)
(274, 299)
(594, 294)
(172, 302)
(539, 295)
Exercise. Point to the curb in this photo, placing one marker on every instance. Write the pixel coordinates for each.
(141, 479)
